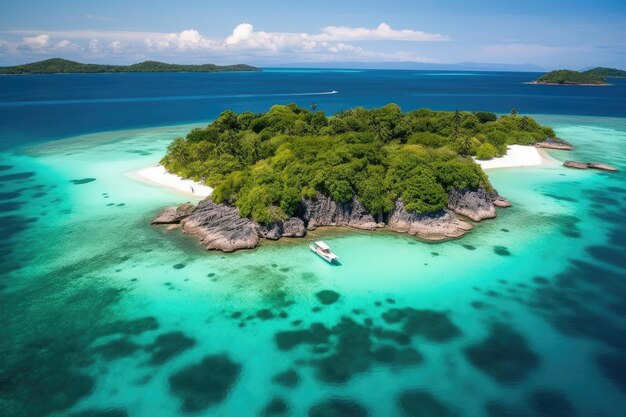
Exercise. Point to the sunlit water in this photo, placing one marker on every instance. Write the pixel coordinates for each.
(102, 312)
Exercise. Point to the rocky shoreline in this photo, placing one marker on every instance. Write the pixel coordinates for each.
(220, 226)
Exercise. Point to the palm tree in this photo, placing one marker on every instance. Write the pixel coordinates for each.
(524, 123)
(456, 125)
(464, 144)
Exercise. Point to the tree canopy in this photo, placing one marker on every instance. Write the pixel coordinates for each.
(266, 163)
(607, 72)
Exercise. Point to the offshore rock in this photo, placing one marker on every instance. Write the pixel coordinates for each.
(474, 204)
(554, 143)
(433, 226)
(589, 165)
(174, 215)
(221, 227)
(322, 211)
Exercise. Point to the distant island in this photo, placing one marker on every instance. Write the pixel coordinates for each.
(290, 170)
(64, 66)
(607, 72)
(595, 76)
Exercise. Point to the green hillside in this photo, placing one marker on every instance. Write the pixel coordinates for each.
(64, 66)
(569, 77)
(606, 72)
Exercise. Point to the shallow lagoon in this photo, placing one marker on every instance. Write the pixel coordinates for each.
(524, 316)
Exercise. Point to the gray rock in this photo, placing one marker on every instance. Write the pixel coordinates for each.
(173, 215)
(589, 165)
(602, 166)
(272, 231)
(476, 205)
(554, 143)
(292, 227)
(322, 211)
(576, 164)
(434, 226)
(221, 227)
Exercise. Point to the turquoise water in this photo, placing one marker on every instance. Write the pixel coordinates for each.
(104, 315)
(88, 264)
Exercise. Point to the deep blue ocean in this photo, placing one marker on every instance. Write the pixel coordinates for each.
(74, 104)
(104, 315)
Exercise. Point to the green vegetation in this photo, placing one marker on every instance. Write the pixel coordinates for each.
(486, 151)
(58, 65)
(265, 163)
(570, 77)
(606, 72)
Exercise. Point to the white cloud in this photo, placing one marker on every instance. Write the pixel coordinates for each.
(245, 36)
(244, 43)
(240, 33)
(36, 42)
(116, 46)
(381, 32)
(94, 46)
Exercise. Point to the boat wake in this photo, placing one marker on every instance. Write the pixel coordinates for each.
(160, 98)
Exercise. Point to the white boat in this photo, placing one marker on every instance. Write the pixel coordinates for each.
(323, 250)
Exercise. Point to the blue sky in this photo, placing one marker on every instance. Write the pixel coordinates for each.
(548, 33)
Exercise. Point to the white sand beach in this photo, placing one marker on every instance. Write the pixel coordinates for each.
(518, 156)
(159, 176)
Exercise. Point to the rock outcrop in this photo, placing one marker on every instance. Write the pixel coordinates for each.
(292, 227)
(476, 205)
(435, 226)
(322, 211)
(221, 227)
(174, 215)
(501, 202)
(554, 143)
(589, 165)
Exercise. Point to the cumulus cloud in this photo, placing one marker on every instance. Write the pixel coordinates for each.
(244, 35)
(242, 32)
(332, 42)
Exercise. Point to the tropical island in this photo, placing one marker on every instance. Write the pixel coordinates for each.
(290, 170)
(607, 72)
(592, 77)
(64, 66)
